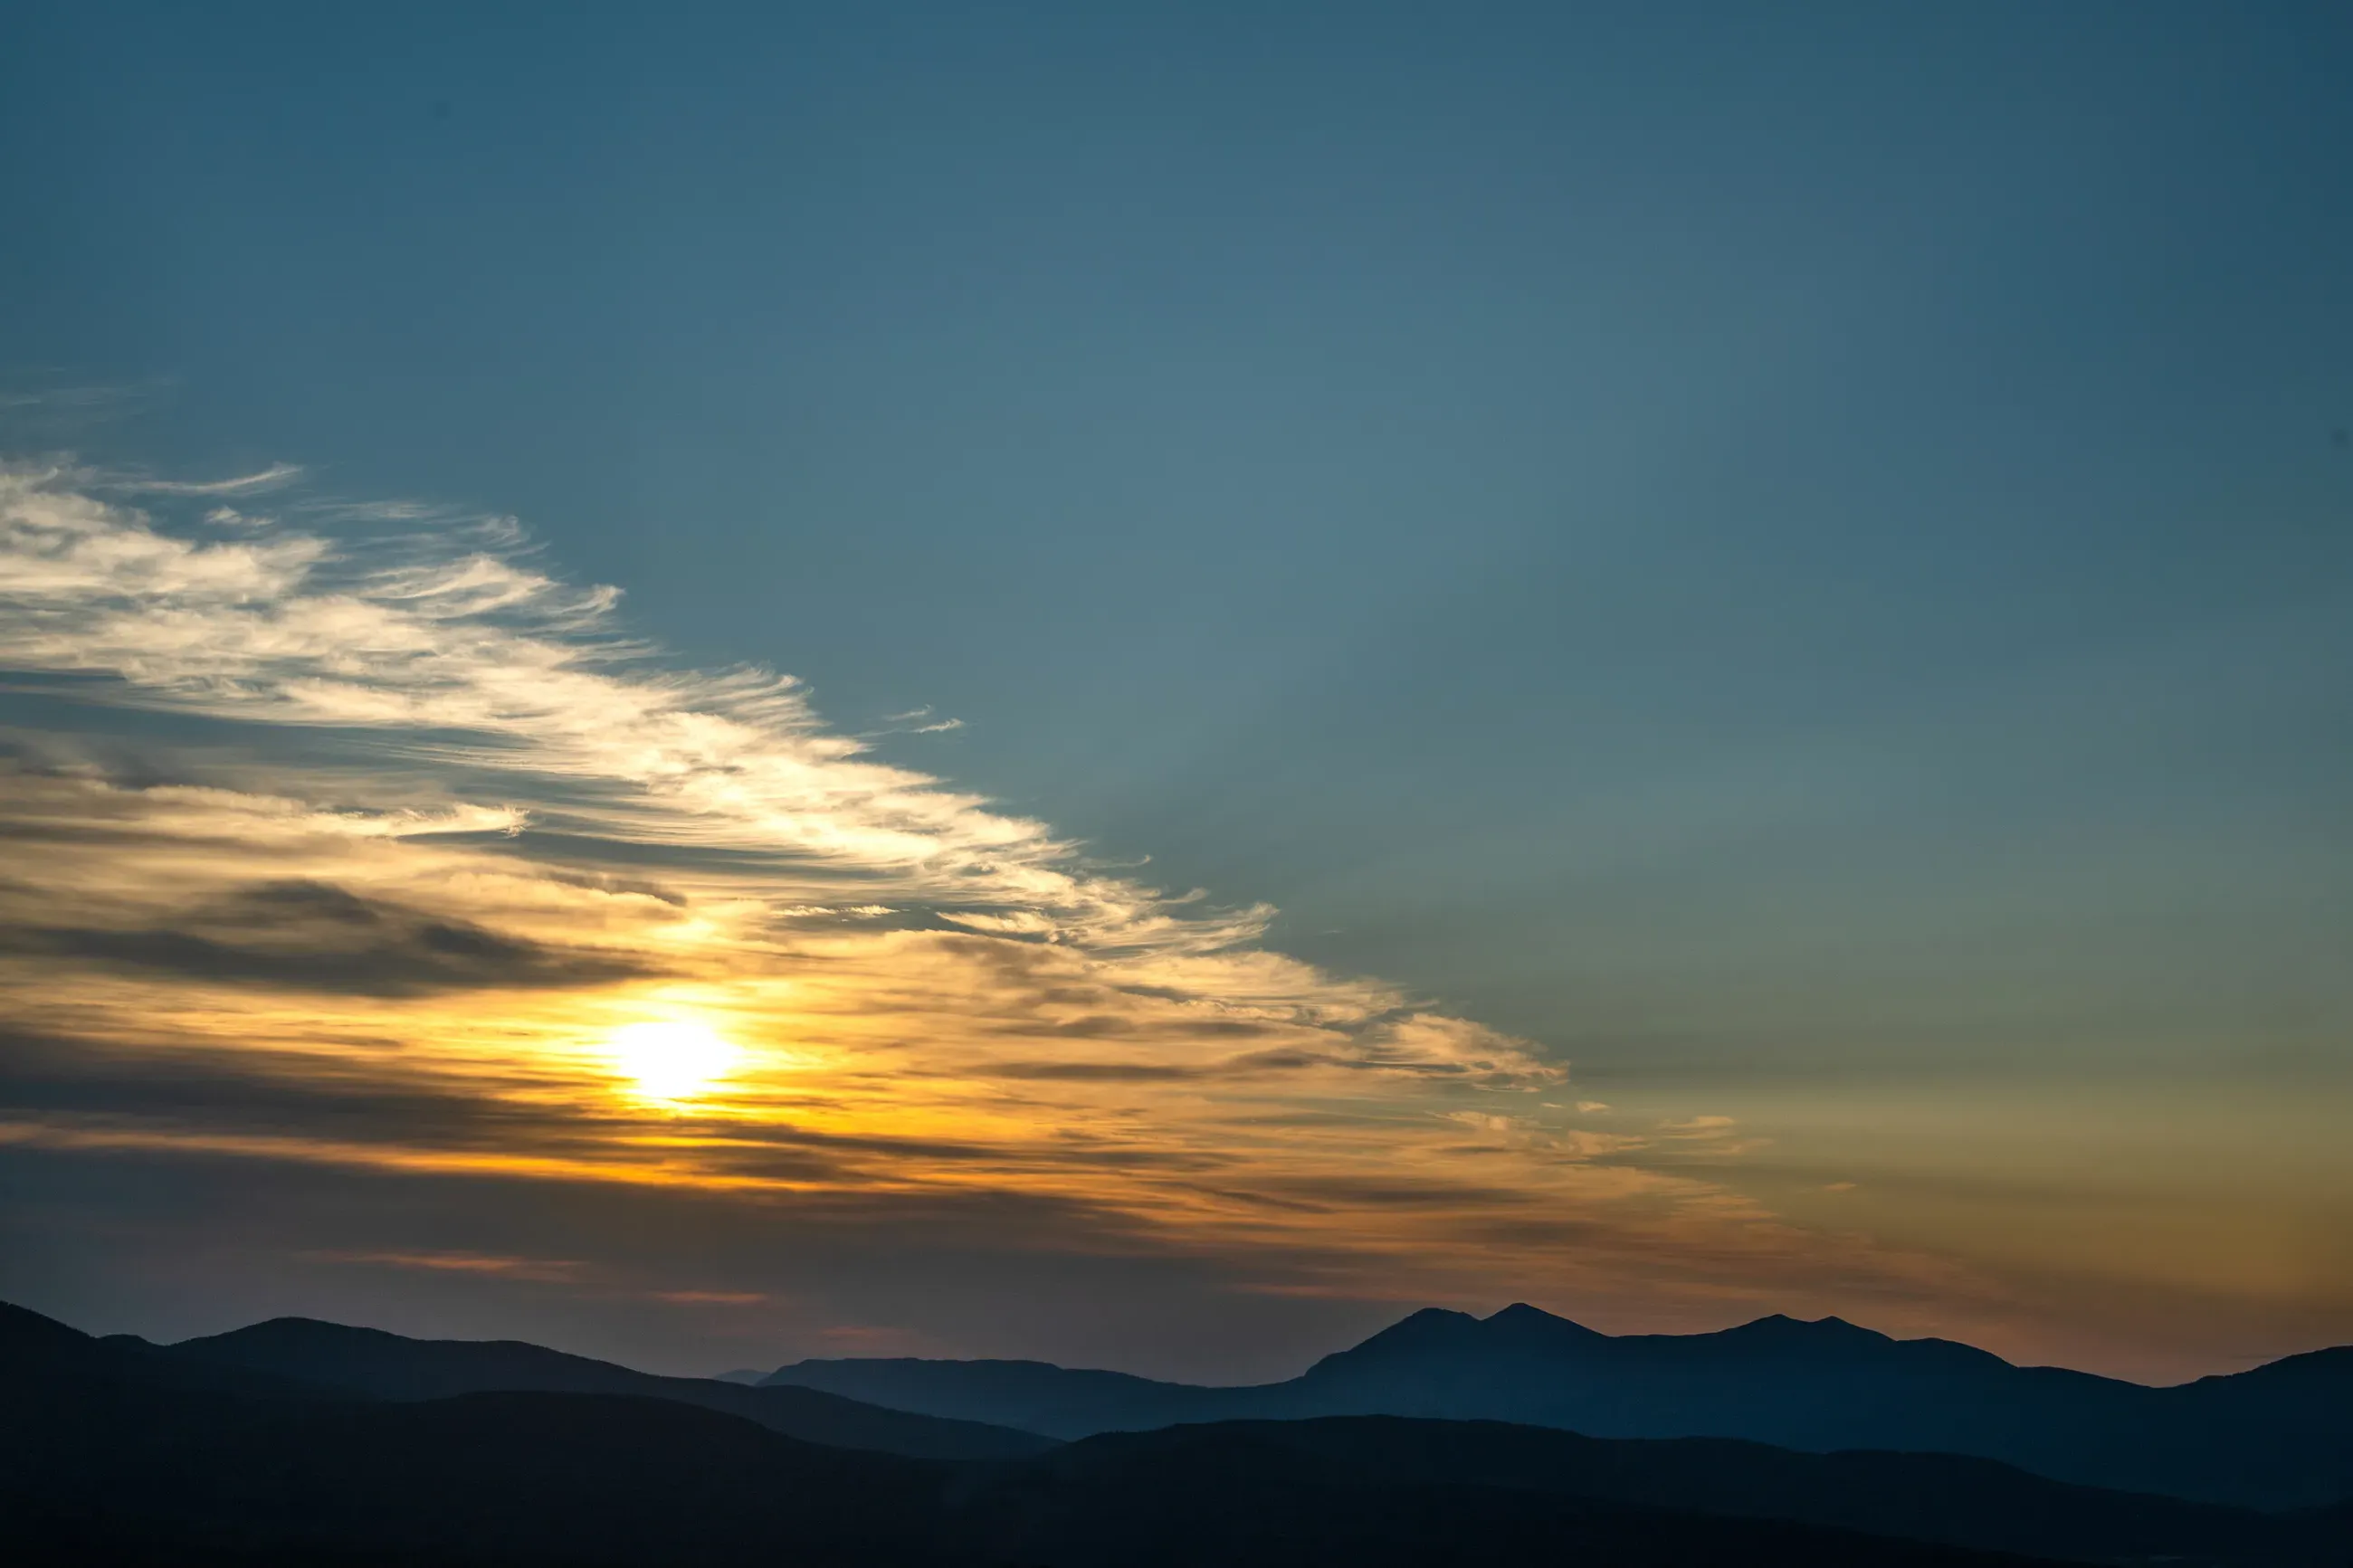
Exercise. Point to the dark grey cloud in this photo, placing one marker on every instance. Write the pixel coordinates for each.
(1094, 1072)
(1398, 1193)
(315, 936)
(81, 1083)
(1247, 1065)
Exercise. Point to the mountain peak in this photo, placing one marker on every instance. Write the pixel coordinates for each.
(1433, 1315)
(1520, 1312)
(1429, 1323)
(281, 1329)
(1816, 1330)
(1520, 1309)
(1517, 1331)
(1522, 1325)
(1417, 1334)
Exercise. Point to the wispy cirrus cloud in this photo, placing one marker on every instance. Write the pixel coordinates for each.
(449, 649)
(544, 1270)
(274, 476)
(920, 721)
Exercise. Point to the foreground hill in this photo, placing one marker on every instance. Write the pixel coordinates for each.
(117, 1451)
(388, 1366)
(114, 1454)
(2279, 1437)
(1942, 1497)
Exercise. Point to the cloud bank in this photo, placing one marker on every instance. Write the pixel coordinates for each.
(351, 836)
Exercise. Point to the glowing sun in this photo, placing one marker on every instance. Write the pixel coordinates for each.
(671, 1061)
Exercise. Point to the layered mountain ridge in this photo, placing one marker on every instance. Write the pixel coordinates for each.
(380, 1365)
(2280, 1435)
(300, 1441)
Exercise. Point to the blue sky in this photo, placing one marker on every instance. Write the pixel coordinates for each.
(1795, 559)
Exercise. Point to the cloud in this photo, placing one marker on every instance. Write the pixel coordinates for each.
(1101, 1072)
(448, 651)
(504, 671)
(1698, 1128)
(274, 476)
(315, 936)
(1710, 1135)
(929, 725)
(540, 1270)
(394, 839)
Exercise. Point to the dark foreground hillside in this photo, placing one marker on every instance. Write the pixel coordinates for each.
(588, 1480)
(1948, 1499)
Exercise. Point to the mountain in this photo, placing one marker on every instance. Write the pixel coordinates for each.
(387, 1367)
(94, 1471)
(118, 1452)
(1035, 1396)
(2280, 1436)
(1250, 1495)
(1946, 1499)
(114, 1453)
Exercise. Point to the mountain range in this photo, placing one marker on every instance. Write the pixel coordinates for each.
(378, 1365)
(297, 1441)
(2278, 1437)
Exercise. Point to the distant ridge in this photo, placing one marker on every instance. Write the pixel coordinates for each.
(388, 1366)
(2280, 1435)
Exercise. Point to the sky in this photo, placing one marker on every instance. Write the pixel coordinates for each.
(1143, 685)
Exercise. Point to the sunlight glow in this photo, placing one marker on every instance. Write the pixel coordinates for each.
(672, 1059)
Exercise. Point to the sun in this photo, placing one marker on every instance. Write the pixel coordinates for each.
(671, 1059)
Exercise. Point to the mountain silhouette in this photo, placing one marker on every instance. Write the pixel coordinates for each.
(1948, 1499)
(116, 1451)
(2280, 1436)
(389, 1367)
(98, 1466)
